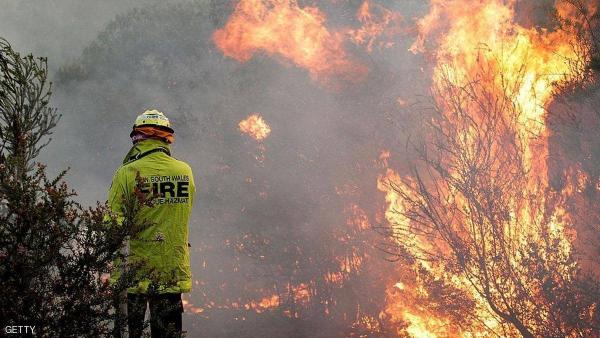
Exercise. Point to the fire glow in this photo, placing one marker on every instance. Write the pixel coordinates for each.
(284, 29)
(290, 32)
(493, 81)
(255, 126)
(488, 67)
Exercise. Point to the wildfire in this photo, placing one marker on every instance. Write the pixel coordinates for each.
(284, 29)
(529, 61)
(358, 218)
(482, 54)
(479, 53)
(376, 21)
(189, 307)
(264, 304)
(256, 127)
(290, 32)
(412, 319)
(384, 157)
(484, 33)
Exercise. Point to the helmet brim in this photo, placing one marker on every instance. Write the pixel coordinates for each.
(164, 128)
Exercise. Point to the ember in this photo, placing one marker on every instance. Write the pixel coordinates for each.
(256, 127)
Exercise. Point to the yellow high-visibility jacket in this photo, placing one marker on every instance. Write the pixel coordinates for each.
(162, 247)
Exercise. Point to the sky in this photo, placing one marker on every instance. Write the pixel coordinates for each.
(58, 29)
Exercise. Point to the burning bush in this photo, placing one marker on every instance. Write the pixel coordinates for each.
(477, 211)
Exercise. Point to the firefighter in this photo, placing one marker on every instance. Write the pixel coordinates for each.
(160, 249)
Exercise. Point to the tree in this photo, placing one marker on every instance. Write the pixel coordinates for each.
(52, 250)
(476, 211)
(584, 21)
(466, 206)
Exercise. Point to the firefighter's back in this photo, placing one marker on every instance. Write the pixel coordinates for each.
(167, 184)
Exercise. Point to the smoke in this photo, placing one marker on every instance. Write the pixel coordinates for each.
(58, 29)
(267, 215)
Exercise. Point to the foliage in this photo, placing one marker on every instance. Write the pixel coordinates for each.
(585, 27)
(52, 250)
(595, 63)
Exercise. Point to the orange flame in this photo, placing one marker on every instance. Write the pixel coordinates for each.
(189, 307)
(384, 157)
(479, 41)
(358, 217)
(376, 21)
(284, 29)
(264, 304)
(483, 34)
(256, 127)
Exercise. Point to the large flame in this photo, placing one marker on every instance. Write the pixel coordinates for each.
(471, 42)
(480, 50)
(295, 33)
(284, 29)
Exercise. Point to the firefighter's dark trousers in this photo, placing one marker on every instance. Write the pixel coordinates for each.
(165, 314)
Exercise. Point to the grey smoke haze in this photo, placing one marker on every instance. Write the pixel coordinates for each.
(258, 224)
(59, 29)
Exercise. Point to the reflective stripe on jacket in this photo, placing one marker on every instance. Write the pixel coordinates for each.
(161, 248)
